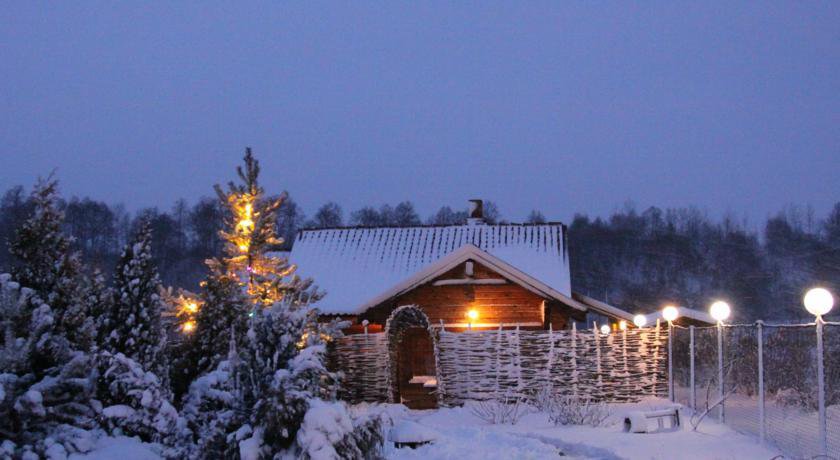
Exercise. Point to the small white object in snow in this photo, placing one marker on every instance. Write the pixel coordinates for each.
(408, 432)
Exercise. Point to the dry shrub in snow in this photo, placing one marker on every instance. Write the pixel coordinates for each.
(575, 410)
(542, 399)
(505, 409)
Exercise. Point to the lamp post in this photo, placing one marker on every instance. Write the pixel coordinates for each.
(818, 302)
(720, 310)
(670, 313)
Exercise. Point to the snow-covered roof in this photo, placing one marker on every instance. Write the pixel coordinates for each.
(461, 255)
(685, 312)
(355, 265)
(602, 307)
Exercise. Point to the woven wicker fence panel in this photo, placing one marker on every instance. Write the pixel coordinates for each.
(363, 361)
(620, 367)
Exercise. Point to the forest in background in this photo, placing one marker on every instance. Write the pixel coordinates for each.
(637, 260)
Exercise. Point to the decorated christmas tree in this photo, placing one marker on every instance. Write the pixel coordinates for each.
(247, 278)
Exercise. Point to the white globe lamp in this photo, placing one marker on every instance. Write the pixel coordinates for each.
(605, 329)
(720, 311)
(640, 321)
(670, 313)
(818, 301)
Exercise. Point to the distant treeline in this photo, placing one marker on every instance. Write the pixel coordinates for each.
(636, 260)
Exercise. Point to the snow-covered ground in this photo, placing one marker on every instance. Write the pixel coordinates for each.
(463, 436)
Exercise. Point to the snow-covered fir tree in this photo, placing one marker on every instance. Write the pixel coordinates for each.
(46, 387)
(51, 387)
(46, 264)
(99, 298)
(224, 311)
(134, 317)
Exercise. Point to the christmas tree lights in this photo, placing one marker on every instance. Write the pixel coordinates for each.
(250, 235)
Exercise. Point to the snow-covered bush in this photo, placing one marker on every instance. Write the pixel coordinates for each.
(506, 408)
(135, 403)
(575, 410)
(329, 432)
(213, 410)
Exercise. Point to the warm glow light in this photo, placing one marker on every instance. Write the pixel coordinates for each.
(472, 315)
(622, 325)
(188, 326)
(191, 307)
(243, 247)
(640, 320)
(245, 225)
(818, 301)
(670, 313)
(605, 329)
(720, 310)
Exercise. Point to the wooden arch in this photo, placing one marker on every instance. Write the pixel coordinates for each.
(401, 320)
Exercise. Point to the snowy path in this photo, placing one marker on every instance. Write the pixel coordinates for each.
(465, 437)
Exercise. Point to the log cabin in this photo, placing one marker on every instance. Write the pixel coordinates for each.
(474, 276)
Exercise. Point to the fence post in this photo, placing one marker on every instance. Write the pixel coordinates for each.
(599, 382)
(721, 416)
(821, 388)
(670, 362)
(693, 394)
(574, 360)
(762, 416)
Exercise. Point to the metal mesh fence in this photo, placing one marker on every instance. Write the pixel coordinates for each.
(682, 366)
(783, 408)
(740, 378)
(832, 389)
(790, 383)
(705, 367)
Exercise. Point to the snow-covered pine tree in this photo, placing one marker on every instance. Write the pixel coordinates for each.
(45, 386)
(224, 308)
(284, 359)
(98, 299)
(134, 317)
(46, 264)
(139, 403)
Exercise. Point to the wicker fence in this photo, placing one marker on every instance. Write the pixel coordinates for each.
(617, 367)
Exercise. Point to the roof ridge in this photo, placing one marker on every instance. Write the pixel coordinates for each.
(374, 227)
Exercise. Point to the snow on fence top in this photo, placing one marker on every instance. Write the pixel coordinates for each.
(354, 265)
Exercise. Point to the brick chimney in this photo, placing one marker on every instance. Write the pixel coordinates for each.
(476, 216)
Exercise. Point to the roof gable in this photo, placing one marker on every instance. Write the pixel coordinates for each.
(470, 252)
(354, 264)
